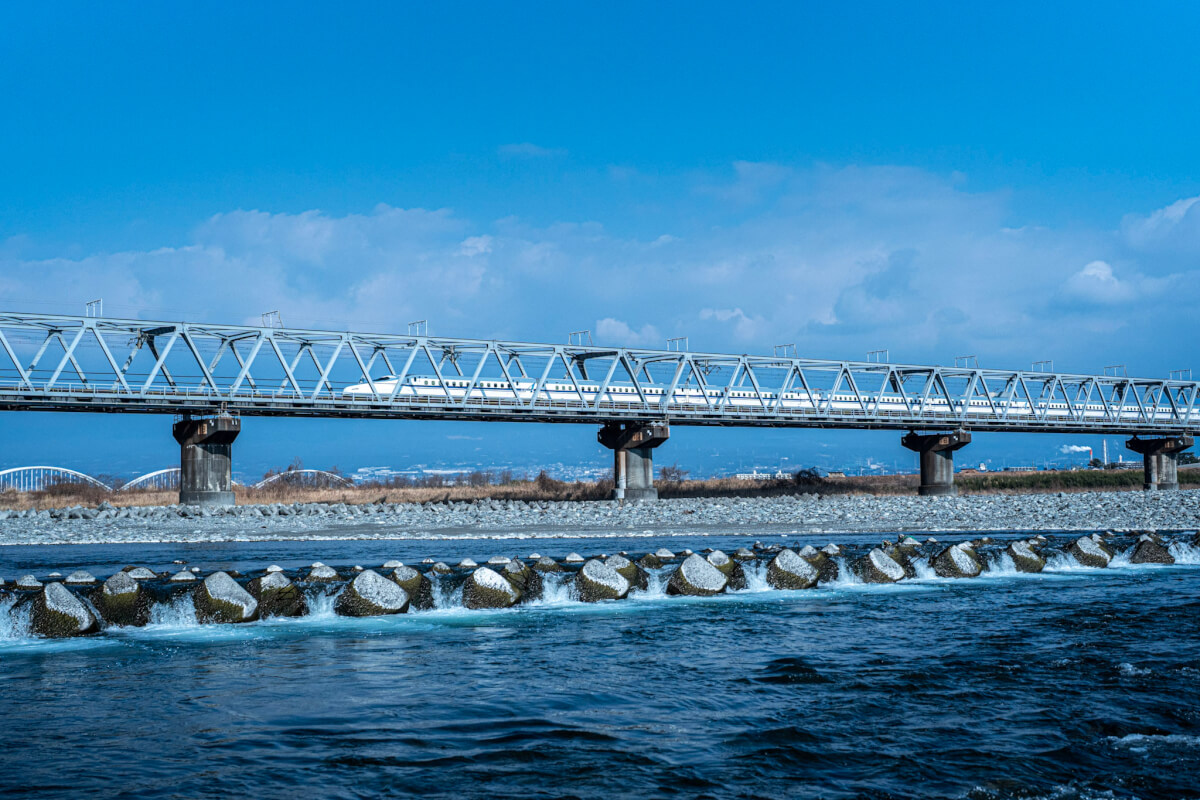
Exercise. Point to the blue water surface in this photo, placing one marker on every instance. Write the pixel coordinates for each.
(1073, 683)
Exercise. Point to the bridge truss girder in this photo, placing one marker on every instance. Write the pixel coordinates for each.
(65, 363)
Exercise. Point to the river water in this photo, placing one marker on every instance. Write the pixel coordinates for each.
(1072, 683)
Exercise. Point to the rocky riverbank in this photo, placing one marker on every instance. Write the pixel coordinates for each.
(1121, 511)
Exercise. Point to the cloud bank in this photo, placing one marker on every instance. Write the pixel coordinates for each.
(837, 260)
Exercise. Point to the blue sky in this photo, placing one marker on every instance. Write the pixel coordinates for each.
(1016, 182)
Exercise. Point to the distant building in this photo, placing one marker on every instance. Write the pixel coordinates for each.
(761, 476)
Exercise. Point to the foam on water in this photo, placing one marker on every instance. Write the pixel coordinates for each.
(756, 577)
(1130, 671)
(656, 584)
(557, 590)
(321, 603)
(444, 595)
(1121, 559)
(924, 569)
(14, 624)
(1061, 562)
(1142, 742)
(1000, 564)
(180, 612)
(846, 577)
(1184, 553)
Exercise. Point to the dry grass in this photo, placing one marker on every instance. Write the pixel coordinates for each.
(545, 488)
(61, 497)
(542, 488)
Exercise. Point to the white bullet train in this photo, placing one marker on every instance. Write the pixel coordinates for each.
(522, 390)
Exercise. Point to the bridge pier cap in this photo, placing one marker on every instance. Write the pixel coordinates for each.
(633, 445)
(206, 459)
(936, 452)
(1160, 459)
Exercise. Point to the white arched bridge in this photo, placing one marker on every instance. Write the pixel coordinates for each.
(40, 478)
(210, 376)
(305, 477)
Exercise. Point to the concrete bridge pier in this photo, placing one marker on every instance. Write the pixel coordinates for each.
(937, 459)
(206, 459)
(633, 446)
(1160, 459)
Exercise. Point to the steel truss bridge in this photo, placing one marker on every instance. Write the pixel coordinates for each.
(68, 363)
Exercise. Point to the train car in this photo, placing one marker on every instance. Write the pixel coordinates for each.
(521, 390)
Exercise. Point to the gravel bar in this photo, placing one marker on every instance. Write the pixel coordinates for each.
(1085, 511)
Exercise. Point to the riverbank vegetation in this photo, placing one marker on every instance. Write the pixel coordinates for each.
(542, 487)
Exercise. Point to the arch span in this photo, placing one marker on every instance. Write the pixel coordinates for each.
(37, 478)
(292, 473)
(159, 479)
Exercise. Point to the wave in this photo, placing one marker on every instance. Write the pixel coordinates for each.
(1142, 742)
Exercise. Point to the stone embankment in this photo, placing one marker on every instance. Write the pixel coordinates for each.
(81, 604)
(799, 513)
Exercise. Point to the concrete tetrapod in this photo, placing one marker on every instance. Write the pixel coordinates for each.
(524, 579)
(787, 570)
(958, 561)
(825, 564)
(1151, 550)
(320, 573)
(878, 567)
(904, 557)
(597, 581)
(371, 595)
(122, 601)
(277, 596)
(697, 578)
(650, 561)
(1089, 552)
(418, 587)
(486, 588)
(637, 577)
(58, 614)
(1025, 558)
(219, 598)
(733, 572)
(547, 564)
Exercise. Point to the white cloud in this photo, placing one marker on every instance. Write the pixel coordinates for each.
(1165, 226)
(745, 328)
(1097, 283)
(475, 246)
(614, 331)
